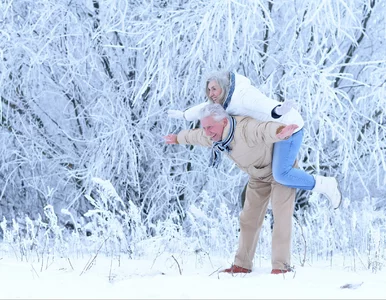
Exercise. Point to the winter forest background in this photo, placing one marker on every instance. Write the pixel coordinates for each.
(85, 86)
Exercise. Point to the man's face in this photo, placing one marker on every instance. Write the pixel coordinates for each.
(213, 128)
(214, 91)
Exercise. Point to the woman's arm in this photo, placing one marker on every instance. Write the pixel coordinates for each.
(191, 114)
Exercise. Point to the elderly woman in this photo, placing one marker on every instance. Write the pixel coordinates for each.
(238, 97)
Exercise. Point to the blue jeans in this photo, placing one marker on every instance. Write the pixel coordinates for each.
(284, 156)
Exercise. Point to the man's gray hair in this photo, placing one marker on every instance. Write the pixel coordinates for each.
(222, 78)
(214, 110)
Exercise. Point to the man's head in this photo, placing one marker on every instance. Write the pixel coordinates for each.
(217, 86)
(213, 119)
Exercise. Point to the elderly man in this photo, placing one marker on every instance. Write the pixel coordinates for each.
(249, 144)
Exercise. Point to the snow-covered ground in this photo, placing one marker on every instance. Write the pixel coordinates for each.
(180, 277)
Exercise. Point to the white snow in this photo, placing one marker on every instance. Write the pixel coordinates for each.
(160, 278)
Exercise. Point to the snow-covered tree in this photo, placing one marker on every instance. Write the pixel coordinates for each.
(85, 86)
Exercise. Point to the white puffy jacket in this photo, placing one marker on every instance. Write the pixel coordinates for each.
(247, 100)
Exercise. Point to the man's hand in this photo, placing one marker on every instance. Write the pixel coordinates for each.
(176, 114)
(171, 139)
(285, 132)
(285, 107)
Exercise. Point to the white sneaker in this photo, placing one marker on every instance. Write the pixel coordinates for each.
(328, 186)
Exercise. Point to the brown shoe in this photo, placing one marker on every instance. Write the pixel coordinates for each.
(279, 271)
(236, 269)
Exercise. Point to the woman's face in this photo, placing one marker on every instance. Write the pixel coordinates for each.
(214, 91)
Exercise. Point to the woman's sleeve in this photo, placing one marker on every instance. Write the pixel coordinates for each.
(192, 113)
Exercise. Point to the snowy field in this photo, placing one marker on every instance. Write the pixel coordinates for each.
(175, 277)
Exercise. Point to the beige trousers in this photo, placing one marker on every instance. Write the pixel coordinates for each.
(252, 216)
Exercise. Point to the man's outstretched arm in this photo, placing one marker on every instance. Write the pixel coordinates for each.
(189, 137)
(284, 132)
(171, 139)
(269, 132)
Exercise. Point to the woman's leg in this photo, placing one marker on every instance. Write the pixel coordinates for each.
(284, 157)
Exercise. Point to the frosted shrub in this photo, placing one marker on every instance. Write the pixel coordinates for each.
(344, 235)
(53, 232)
(25, 240)
(214, 229)
(376, 259)
(112, 221)
(11, 237)
(168, 237)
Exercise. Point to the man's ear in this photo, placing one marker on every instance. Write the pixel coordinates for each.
(225, 121)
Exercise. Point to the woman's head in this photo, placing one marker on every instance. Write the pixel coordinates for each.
(217, 86)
